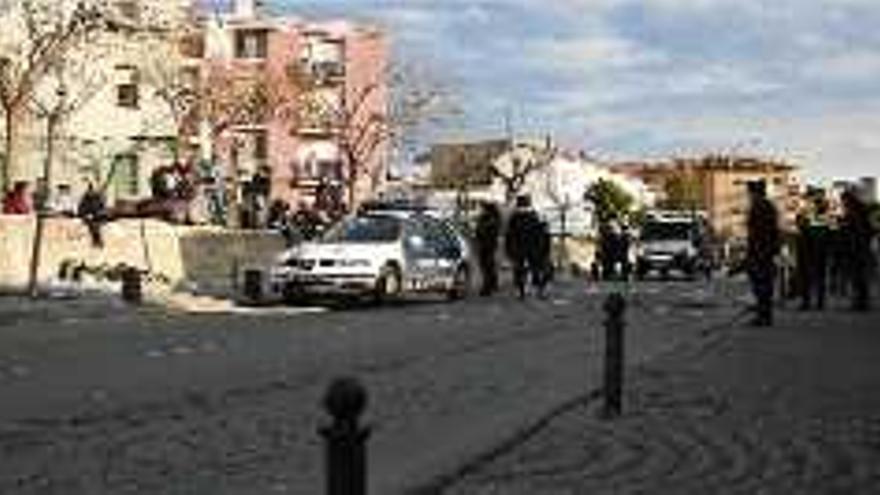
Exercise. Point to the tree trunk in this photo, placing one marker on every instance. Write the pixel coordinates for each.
(233, 204)
(37, 246)
(352, 184)
(351, 180)
(11, 162)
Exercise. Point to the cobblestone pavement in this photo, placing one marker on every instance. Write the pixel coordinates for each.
(793, 409)
(228, 404)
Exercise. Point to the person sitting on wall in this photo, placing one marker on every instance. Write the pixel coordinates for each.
(17, 200)
(307, 221)
(93, 211)
(280, 220)
(162, 183)
(62, 202)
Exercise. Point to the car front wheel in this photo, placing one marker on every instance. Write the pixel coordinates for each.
(292, 293)
(388, 285)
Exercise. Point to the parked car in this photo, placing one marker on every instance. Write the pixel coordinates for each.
(381, 254)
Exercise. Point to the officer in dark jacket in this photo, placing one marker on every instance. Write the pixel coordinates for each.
(814, 236)
(763, 246)
(857, 232)
(488, 229)
(540, 264)
(520, 242)
(838, 265)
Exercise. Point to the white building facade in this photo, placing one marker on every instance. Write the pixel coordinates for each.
(117, 129)
(558, 189)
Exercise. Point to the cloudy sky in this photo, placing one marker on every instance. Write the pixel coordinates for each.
(795, 79)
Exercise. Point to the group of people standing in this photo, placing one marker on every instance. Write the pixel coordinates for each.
(527, 245)
(838, 250)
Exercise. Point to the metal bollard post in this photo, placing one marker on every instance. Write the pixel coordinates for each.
(614, 308)
(131, 285)
(345, 439)
(253, 286)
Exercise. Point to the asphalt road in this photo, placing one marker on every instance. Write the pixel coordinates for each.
(169, 403)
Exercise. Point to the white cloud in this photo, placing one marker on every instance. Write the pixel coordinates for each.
(854, 66)
(644, 76)
(593, 53)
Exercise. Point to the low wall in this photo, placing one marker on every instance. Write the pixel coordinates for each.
(576, 251)
(201, 259)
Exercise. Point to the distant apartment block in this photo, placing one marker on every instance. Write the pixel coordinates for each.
(721, 182)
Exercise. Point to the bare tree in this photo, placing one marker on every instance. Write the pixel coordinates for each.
(164, 68)
(36, 35)
(58, 73)
(386, 112)
(525, 159)
(72, 82)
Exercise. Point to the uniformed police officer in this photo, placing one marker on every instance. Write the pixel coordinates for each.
(763, 246)
(857, 231)
(812, 256)
(488, 229)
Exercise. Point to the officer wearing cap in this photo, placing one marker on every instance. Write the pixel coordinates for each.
(812, 251)
(762, 248)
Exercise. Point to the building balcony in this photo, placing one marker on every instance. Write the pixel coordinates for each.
(318, 127)
(323, 72)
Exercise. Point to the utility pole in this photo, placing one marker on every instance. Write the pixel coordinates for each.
(508, 127)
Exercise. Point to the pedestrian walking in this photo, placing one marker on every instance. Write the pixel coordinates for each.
(608, 246)
(488, 229)
(520, 242)
(761, 250)
(539, 257)
(856, 227)
(623, 251)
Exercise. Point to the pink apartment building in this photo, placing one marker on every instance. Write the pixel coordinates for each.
(345, 64)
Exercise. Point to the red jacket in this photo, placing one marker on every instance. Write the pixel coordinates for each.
(16, 204)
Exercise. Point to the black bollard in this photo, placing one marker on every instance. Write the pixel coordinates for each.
(131, 285)
(614, 308)
(345, 439)
(253, 286)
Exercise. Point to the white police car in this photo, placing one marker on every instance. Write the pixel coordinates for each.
(383, 254)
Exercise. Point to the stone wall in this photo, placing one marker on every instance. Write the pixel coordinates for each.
(202, 259)
(579, 252)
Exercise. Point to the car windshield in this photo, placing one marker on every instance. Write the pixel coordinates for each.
(666, 231)
(365, 229)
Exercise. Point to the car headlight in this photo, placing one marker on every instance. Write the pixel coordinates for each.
(355, 263)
